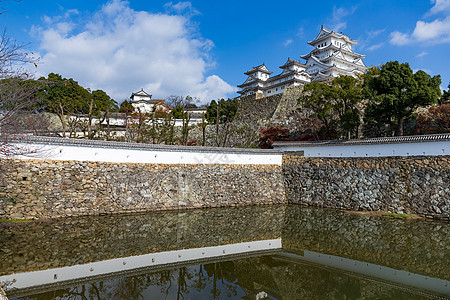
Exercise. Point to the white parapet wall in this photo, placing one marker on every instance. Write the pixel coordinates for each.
(420, 145)
(30, 147)
(126, 264)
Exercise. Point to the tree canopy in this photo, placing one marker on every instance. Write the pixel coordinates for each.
(394, 92)
(445, 96)
(226, 108)
(126, 107)
(335, 105)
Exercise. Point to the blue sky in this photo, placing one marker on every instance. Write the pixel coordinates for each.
(202, 48)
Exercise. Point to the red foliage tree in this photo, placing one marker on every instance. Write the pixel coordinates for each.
(435, 120)
(272, 134)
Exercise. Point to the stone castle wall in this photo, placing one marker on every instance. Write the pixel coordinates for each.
(255, 114)
(416, 185)
(34, 189)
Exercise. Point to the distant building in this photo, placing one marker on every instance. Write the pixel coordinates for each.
(144, 103)
(332, 56)
(196, 112)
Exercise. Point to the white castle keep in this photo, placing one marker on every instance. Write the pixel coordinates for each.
(332, 56)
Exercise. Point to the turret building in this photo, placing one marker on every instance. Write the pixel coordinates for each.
(332, 56)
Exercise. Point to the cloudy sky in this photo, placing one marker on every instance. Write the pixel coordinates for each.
(202, 48)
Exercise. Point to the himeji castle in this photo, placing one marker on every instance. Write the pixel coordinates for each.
(332, 56)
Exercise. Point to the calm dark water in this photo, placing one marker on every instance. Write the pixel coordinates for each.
(276, 252)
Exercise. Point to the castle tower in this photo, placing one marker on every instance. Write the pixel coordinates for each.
(255, 83)
(333, 56)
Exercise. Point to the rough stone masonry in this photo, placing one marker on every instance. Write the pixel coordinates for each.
(411, 185)
(34, 189)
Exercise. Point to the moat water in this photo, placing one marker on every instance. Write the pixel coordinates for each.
(270, 252)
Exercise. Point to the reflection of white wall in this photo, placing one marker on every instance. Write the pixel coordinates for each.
(431, 148)
(157, 154)
(52, 276)
(367, 269)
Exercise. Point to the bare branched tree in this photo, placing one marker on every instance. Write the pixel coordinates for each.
(4, 9)
(18, 92)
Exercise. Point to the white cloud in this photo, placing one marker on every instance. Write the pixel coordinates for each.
(437, 31)
(438, 7)
(339, 13)
(181, 8)
(287, 43)
(375, 33)
(366, 41)
(122, 50)
(375, 47)
(399, 39)
(422, 54)
(432, 32)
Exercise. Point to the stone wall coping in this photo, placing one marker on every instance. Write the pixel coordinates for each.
(138, 146)
(369, 141)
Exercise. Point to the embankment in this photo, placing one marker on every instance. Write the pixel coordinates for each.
(408, 185)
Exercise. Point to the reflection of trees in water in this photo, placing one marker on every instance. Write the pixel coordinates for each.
(215, 279)
(225, 273)
(243, 279)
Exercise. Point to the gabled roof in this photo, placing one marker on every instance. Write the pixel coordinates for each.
(250, 80)
(359, 61)
(290, 62)
(260, 68)
(141, 93)
(339, 56)
(332, 47)
(321, 76)
(325, 33)
(317, 61)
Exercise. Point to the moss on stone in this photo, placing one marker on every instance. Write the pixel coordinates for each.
(14, 220)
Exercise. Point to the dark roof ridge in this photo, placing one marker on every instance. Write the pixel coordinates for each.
(377, 140)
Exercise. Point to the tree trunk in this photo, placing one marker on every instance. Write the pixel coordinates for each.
(203, 135)
(108, 131)
(217, 125)
(399, 131)
(90, 119)
(61, 118)
(227, 134)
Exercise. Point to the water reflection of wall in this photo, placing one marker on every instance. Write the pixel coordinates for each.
(414, 245)
(310, 281)
(240, 279)
(71, 241)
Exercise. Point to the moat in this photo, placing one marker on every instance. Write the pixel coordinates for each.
(263, 252)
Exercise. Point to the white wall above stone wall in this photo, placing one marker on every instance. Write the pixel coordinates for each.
(426, 145)
(117, 152)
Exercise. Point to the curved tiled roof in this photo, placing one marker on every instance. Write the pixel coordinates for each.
(261, 68)
(55, 141)
(379, 140)
(328, 33)
(140, 93)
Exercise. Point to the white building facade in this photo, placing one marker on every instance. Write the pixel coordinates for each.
(332, 56)
(143, 102)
